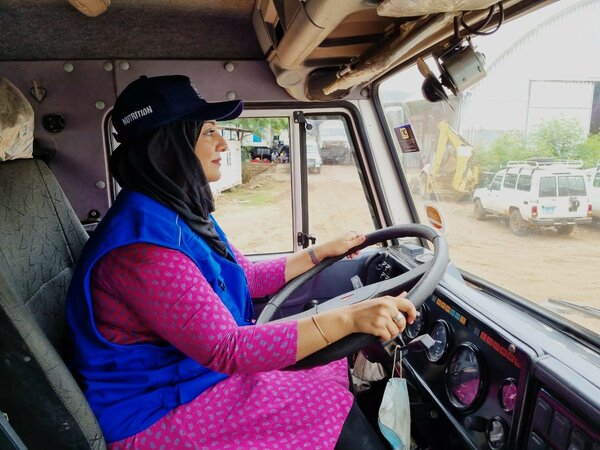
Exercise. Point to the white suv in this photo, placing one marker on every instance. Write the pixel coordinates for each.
(532, 193)
(594, 191)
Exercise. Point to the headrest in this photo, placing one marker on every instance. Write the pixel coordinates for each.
(16, 123)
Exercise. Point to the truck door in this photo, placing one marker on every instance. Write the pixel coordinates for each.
(494, 194)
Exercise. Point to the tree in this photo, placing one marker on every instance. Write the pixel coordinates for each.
(589, 150)
(560, 138)
(260, 126)
(509, 146)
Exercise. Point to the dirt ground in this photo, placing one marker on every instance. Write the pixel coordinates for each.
(538, 266)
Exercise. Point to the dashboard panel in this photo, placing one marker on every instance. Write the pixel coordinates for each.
(556, 425)
(495, 360)
(500, 375)
(471, 372)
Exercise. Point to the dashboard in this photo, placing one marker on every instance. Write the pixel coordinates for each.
(496, 377)
(470, 371)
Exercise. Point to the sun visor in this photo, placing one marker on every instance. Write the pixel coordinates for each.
(16, 123)
(411, 8)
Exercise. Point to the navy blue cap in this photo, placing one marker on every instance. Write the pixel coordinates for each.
(148, 103)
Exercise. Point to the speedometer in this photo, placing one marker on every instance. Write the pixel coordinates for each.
(440, 333)
(464, 380)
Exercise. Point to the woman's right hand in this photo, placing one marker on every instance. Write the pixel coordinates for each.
(384, 317)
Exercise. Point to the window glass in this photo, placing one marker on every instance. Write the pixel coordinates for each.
(510, 180)
(597, 180)
(527, 111)
(548, 187)
(253, 197)
(495, 186)
(337, 199)
(524, 183)
(568, 186)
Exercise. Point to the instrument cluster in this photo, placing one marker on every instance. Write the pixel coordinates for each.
(472, 372)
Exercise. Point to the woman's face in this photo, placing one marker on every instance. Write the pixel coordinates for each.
(208, 150)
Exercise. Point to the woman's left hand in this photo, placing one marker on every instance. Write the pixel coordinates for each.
(342, 244)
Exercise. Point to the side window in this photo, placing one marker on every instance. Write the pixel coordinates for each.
(597, 180)
(253, 201)
(524, 183)
(496, 183)
(337, 199)
(548, 187)
(259, 201)
(510, 180)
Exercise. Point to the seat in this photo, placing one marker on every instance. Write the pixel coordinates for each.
(40, 241)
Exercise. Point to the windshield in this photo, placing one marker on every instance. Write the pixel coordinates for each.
(486, 155)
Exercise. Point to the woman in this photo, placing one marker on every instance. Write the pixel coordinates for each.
(160, 304)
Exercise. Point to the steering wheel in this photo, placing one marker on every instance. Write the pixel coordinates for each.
(429, 273)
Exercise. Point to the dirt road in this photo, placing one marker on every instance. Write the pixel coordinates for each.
(538, 266)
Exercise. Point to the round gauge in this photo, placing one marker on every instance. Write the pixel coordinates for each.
(508, 395)
(464, 380)
(440, 333)
(414, 329)
(496, 433)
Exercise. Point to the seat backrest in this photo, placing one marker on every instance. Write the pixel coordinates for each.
(40, 241)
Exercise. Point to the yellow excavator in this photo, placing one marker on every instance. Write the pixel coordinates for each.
(451, 176)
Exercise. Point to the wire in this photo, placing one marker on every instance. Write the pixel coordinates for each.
(486, 22)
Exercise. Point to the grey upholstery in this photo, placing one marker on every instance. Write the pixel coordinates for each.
(40, 240)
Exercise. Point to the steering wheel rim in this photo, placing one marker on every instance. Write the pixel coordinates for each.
(432, 272)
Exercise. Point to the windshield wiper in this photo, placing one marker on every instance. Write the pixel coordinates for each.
(582, 308)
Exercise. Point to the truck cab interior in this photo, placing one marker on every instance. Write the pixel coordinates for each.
(513, 355)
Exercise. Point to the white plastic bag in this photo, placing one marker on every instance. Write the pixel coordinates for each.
(364, 372)
(16, 123)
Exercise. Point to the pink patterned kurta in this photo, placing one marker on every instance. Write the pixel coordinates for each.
(147, 293)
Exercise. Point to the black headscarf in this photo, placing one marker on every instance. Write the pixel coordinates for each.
(162, 164)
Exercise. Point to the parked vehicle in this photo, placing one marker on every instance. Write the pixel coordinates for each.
(530, 193)
(451, 175)
(260, 151)
(594, 191)
(333, 142)
(313, 158)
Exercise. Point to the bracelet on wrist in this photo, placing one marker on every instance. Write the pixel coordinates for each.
(320, 330)
(313, 256)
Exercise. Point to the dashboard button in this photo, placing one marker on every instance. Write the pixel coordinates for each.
(560, 431)
(578, 441)
(542, 416)
(536, 443)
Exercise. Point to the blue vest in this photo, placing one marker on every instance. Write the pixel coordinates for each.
(130, 387)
